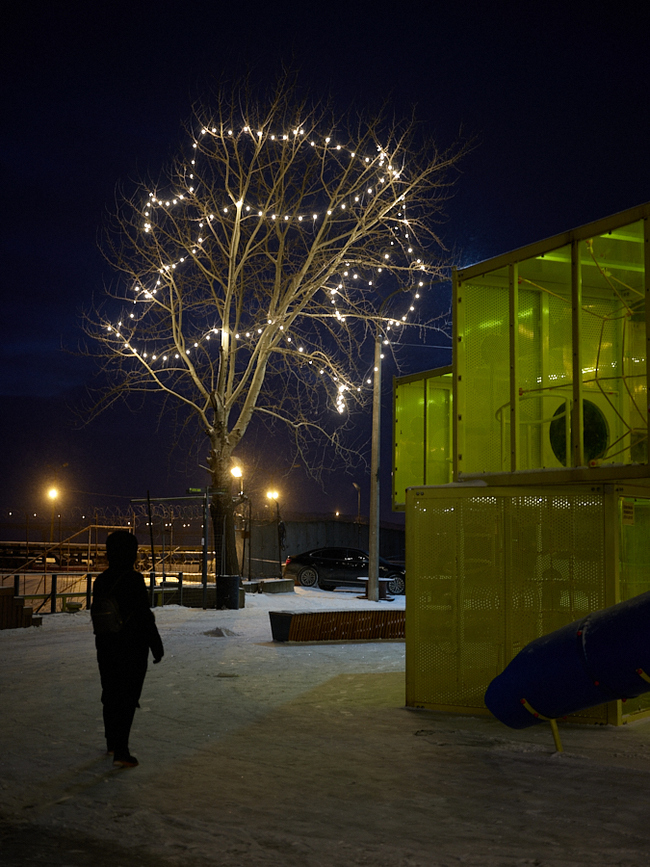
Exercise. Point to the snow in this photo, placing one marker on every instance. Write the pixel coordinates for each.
(254, 752)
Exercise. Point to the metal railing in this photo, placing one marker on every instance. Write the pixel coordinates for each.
(50, 598)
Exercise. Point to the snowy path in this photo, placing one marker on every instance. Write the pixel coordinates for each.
(258, 753)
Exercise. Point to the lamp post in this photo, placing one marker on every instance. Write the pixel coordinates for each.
(273, 495)
(373, 514)
(53, 494)
(374, 509)
(358, 490)
(237, 473)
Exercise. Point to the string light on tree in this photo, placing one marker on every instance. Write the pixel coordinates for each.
(255, 272)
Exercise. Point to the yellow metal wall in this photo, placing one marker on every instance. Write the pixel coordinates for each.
(634, 523)
(489, 570)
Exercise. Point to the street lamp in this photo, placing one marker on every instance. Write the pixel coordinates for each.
(53, 494)
(374, 506)
(237, 473)
(273, 495)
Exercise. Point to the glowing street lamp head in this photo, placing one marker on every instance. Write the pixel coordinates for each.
(53, 493)
(272, 495)
(236, 472)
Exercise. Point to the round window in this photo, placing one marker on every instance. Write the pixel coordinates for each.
(596, 432)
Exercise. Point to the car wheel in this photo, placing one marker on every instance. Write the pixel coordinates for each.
(396, 584)
(308, 576)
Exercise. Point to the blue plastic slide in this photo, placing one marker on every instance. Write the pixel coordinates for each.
(602, 657)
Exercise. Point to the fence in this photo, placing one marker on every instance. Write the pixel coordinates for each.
(62, 592)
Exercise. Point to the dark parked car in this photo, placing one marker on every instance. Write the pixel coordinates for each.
(328, 568)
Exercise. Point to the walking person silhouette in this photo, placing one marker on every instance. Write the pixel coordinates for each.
(125, 630)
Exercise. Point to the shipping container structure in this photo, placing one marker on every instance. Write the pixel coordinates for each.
(535, 443)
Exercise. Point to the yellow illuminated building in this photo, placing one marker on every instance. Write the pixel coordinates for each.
(541, 427)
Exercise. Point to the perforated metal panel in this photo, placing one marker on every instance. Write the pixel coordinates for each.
(634, 522)
(490, 570)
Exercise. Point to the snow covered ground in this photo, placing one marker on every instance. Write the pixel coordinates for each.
(260, 753)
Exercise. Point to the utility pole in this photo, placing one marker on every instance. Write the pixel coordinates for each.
(373, 512)
(357, 488)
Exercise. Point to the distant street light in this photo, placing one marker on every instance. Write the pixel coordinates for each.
(237, 473)
(53, 494)
(273, 495)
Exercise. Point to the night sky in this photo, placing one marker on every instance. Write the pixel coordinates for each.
(556, 96)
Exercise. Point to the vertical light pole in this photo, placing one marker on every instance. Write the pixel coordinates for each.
(237, 473)
(374, 510)
(373, 513)
(53, 494)
(358, 490)
(273, 495)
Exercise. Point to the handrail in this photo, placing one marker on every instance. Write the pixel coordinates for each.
(54, 594)
(59, 545)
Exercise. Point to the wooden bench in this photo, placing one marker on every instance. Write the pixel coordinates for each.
(337, 625)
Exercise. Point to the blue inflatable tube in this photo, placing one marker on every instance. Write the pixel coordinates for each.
(594, 660)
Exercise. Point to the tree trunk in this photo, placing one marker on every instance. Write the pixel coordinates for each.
(223, 524)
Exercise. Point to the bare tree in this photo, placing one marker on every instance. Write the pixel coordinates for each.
(254, 270)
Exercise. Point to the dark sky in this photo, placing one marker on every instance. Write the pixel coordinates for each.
(95, 93)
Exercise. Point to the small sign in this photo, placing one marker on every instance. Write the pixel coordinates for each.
(628, 512)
